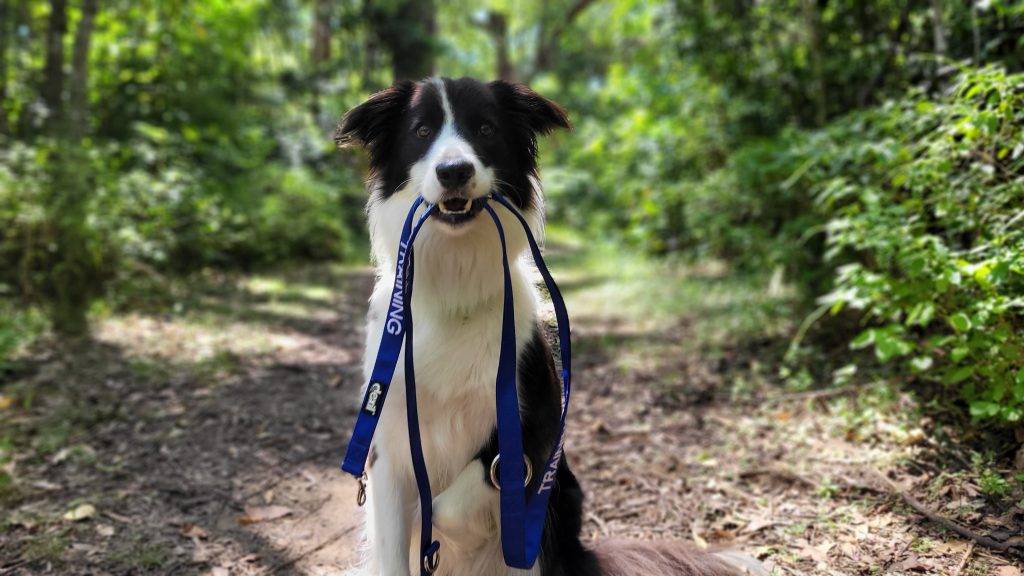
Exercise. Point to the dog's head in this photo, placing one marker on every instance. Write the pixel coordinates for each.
(453, 142)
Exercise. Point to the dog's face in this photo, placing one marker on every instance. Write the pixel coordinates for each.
(453, 141)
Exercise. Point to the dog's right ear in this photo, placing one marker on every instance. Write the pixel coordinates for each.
(370, 123)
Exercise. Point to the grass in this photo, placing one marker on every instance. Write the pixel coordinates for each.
(48, 547)
(20, 326)
(137, 554)
(604, 280)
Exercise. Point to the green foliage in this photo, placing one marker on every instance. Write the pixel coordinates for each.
(923, 206)
(911, 214)
(203, 149)
(834, 144)
(18, 327)
(628, 164)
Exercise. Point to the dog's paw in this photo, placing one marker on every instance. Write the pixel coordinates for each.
(450, 515)
(464, 508)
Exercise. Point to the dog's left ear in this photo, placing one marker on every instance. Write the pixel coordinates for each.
(532, 110)
(371, 123)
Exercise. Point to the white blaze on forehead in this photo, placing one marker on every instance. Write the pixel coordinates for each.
(446, 106)
(448, 144)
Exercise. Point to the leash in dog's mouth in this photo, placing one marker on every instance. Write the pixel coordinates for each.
(524, 495)
(457, 210)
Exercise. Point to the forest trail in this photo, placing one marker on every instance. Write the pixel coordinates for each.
(206, 441)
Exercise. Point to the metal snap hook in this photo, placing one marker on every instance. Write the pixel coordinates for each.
(432, 561)
(361, 495)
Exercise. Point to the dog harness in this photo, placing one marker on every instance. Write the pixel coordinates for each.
(523, 496)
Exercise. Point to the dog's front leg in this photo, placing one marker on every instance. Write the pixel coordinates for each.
(392, 502)
(465, 512)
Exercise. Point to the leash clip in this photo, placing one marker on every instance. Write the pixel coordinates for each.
(432, 559)
(361, 495)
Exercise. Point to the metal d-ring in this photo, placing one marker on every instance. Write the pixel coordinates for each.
(494, 471)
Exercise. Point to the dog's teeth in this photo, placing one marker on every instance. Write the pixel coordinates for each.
(465, 208)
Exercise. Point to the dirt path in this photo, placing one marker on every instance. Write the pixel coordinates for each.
(206, 442)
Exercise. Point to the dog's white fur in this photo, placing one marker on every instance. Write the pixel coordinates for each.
(457, 309)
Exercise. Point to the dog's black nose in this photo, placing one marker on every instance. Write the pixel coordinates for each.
(454, 173)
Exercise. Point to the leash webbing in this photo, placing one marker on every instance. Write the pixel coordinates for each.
(522, 518)
(428, 546)
(529, 529)
(387, 356)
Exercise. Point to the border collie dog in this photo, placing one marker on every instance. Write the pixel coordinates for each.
(454, 142)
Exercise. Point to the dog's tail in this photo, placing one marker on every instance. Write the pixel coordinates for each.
(670, 558)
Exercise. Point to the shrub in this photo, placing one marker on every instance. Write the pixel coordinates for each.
(910, 214)
(73, 220)
(925, 230)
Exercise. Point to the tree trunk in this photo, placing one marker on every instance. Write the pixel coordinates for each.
(321, 50)
(548, 35)
(812, 19)
(938, 28)
(5, 34)
(496, 25)
(976, 33)
(406, 28)
(53, 72)
(80, 70)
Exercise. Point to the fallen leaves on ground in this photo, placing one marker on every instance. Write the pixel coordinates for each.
(81, 512)
(254, 514)
(193, 531)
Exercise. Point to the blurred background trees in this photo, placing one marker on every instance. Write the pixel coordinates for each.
(868, 153)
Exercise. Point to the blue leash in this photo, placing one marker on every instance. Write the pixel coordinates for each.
(523, 515)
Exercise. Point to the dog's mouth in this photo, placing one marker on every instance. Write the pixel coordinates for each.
(458, 210)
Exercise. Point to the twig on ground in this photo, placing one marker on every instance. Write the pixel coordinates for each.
(601, 524)
(1014, 545)
(782, 473)
(305, 554)
(289, 474)
(967, 558)
(810, 394)
(899, 554)
(731, 490)
(10, 568)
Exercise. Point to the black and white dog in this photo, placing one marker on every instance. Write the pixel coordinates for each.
(454, 142)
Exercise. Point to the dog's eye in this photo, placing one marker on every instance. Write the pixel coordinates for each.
(486, 130)
(423, 131)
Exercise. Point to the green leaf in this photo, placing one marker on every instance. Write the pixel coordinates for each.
(888, 346)
(921, 363)
(921, 314)
(959, 375)
(984, 409)
(864, 339)
(960, 322)
(959, 353)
